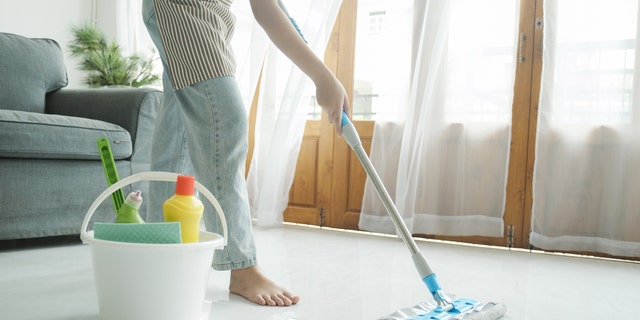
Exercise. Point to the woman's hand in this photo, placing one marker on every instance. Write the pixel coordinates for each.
(333, 98)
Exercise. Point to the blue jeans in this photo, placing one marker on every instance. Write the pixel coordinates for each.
(202, 130)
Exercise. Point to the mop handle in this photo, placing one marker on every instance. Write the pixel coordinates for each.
(424, 270)
(353, 139)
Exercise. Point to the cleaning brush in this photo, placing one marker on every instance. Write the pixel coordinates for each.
(445, 307)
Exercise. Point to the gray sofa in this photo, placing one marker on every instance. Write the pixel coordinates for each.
(50, 169)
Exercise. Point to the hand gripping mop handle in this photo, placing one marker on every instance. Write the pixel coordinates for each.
(152, 176)
(428, 276)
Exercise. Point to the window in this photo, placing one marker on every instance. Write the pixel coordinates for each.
(595, 62)
(376, 22)
(383, 57)
(479, 60)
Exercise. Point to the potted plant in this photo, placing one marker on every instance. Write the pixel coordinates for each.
(105, 63)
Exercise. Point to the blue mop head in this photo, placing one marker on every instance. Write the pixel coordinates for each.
(465, 309)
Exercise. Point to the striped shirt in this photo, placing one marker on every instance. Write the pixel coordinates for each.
(196, 37)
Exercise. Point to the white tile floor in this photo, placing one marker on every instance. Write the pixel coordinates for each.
(342, 275)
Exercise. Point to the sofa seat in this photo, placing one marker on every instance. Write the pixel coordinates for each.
(50, 168)
(30, 135)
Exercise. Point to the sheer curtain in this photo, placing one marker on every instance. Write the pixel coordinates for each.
(131, 33)
(127, 29)
(452, 137)
(285, 92)
(587, 168)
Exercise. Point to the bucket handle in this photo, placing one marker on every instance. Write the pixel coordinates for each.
(151, 176)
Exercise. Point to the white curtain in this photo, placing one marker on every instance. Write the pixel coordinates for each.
(587, 168)
(131, 33)
(445, 159)
(121, 21)
(285, 92)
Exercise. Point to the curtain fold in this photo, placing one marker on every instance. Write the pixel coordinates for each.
(284, 93)
(452, 140)
(121, 21)
(128, 31)
(588, 134)
(131, 35)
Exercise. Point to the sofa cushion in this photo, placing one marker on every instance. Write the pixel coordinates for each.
(29, 69)
(47, 136)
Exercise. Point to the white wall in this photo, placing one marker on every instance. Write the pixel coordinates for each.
(54, 19)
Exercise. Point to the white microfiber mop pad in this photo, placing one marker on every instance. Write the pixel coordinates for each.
(483, 311)
(489, 311)
(411, 312)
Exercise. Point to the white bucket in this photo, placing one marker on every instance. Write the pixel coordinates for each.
(137, 281)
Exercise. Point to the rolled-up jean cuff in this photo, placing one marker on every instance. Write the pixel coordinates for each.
(235, 265)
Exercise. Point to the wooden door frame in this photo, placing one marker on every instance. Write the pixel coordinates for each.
(522, 134)
(340, 57)
(533, 117)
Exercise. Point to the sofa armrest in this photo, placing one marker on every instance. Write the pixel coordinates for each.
(133, 109)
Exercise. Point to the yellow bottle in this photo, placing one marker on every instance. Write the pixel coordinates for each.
(183, 207)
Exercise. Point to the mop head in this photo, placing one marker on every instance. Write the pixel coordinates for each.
(464, 309)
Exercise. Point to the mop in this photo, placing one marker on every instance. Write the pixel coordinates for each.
(443, 306)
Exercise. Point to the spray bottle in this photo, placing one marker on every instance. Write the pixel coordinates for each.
(128, 212)
(183, 207)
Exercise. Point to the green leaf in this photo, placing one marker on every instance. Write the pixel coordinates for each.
(104, 62)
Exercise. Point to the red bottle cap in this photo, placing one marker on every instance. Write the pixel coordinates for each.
(185, 185)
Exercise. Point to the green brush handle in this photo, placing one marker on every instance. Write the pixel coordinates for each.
(110, 171)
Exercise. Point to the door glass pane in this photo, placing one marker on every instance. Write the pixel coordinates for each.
(479, 59)
(595, 60)
(383, 57)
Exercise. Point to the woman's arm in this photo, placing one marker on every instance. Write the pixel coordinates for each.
(330, 93)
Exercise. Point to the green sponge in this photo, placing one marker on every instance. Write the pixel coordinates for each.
(158, 233)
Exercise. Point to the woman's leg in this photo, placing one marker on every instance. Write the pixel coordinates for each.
(209, 120)
(216, 127)
(169, 147)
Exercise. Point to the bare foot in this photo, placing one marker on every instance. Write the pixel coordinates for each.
(253, 285)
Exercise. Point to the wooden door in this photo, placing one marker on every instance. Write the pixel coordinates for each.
(318, 195)
(329, 184)
(310, 195)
